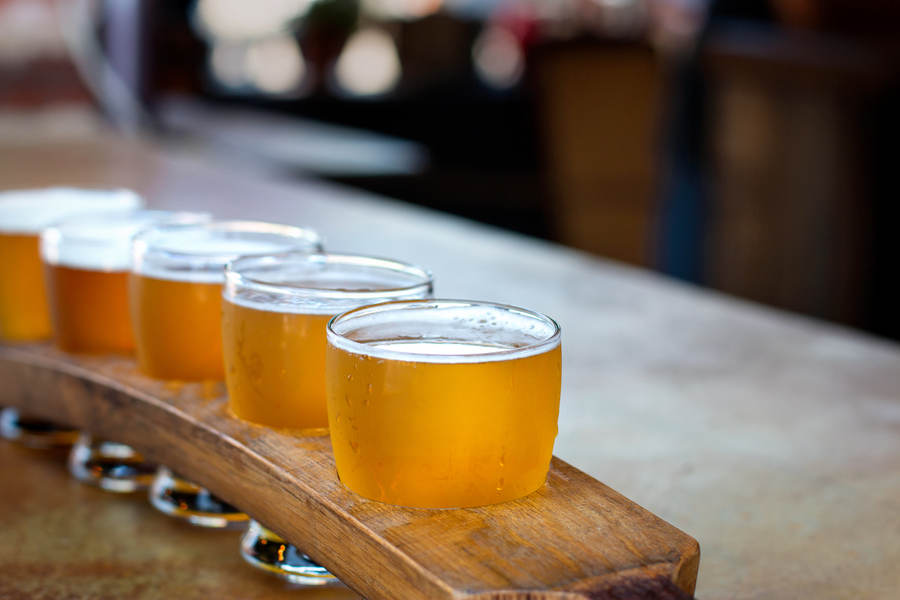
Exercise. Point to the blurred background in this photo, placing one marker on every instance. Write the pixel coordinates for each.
(740, 145)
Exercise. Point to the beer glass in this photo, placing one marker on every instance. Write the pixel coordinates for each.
(24, 315)
(442, 403)
(175, 292)
(274, 316)
(86, 263)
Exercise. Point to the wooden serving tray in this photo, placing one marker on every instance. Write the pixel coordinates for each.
(573, 539)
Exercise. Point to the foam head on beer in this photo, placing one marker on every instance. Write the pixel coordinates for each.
(24, 214)
(87, 260)
(175, 290)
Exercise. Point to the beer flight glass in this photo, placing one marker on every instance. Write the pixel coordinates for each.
(442, 403)
(87, 260)
(175, 293)
(429, 403)
(274, 318)
(24, 314)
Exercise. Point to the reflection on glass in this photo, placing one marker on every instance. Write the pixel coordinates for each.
(266, 550)
(443, 403)
(274, 319)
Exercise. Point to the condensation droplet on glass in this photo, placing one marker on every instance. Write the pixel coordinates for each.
(349, 377)
(500, 485)
(347, 399)
(354, 446)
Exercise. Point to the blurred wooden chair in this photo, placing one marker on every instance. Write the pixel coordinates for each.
(598, 105)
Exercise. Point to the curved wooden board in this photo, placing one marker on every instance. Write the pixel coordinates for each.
(574, 539)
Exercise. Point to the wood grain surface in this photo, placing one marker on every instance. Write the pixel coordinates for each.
(574, 538)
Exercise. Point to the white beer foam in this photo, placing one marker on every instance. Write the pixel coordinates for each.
(31, 211)
(438, 348)
(102, 241)
(294, 306)
(306, 303)
(451, 334)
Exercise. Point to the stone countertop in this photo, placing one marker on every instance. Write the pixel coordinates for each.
(771, 438)
(60, 539)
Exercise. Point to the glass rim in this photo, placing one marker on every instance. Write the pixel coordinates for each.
(101, 240)
(548, 343)
(57, 231)
(249, 226)
(234, 276)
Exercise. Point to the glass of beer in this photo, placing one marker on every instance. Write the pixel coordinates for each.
(442, 403)
(175, 292)
(24, 314)
(87, 260)
(274, 318)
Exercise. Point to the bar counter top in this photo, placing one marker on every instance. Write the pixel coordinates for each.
(771, 438)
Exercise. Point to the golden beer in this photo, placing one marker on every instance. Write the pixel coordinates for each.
(23, 298)
(462, 413)
(24, 214)
(87, 259)
(273, 321)
(86, 263)
(177, 326)
(89, 309)
(275, 312)
(175, 291)
(276, 367)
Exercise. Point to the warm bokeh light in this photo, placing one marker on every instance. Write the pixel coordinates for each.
(226, 61)
(401, 9)
(28, 30)
(369, 64)
(242, 20)
(498, 58)
(275, 65)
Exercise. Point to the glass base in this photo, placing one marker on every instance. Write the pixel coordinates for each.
(34, 433)
(182, 499)
(266, 550)
(111, 466)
